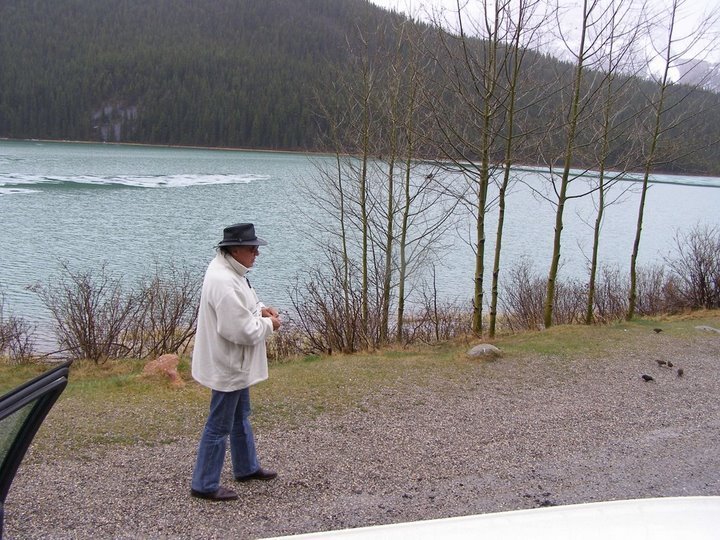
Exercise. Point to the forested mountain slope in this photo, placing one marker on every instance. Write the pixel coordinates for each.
(230, 73)
(206, 72)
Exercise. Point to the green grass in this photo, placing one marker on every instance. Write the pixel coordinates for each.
(114, 404)
(334, 384)
(569, 341)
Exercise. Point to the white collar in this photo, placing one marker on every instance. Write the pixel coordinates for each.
(239, 268)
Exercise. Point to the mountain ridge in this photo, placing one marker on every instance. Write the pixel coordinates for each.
(226, 73)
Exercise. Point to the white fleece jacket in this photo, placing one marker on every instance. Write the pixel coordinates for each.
(229, 352)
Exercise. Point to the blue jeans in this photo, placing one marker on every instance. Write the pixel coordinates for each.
(229, 416)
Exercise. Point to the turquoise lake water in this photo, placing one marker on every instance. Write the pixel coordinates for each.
(129, 206)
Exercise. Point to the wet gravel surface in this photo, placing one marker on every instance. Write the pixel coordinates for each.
(508, 434)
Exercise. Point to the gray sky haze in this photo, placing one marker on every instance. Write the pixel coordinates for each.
(690, 16)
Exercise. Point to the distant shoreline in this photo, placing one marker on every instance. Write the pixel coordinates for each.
(319, 153)
(158, 145)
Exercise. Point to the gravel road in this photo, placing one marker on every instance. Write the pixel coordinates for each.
(507, 434)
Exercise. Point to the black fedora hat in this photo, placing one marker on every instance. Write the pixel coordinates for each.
(241, 234)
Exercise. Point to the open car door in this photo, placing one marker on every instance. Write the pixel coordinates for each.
(22, 410)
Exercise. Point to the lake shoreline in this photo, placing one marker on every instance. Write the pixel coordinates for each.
(171, 204)
(317, 153)
(172, 146)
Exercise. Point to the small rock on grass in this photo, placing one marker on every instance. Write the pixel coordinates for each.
(708, 329)
(484, 350)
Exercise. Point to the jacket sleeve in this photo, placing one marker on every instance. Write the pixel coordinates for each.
(239, 320)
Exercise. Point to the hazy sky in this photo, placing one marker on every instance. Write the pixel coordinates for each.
(692, 9)
(421, 7)
(686, 22)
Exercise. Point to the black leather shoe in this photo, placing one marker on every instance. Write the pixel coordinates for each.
(222, 494)
(260, 474)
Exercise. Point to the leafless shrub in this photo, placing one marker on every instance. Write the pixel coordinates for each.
(696, 267)
(19, 343)
(435, 320)
(92, 312)
(16, 336)
(654, 292)
(166, 318)
(288, 343)
(523, 298)
(440, 321)
(328, 308)
(329, 314)
(657, 293)
(672, 298)
(570, 297)
(98, 318)
(611, 295)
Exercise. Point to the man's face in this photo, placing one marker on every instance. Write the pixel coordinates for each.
(245, 255)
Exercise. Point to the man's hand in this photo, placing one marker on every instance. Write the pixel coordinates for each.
(275, 322)
(274, 316)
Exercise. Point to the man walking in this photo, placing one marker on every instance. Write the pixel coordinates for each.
(229, 356)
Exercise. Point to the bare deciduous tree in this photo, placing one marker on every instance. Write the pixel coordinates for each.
(473, 99)
(589, 50)
(379, 215)
(520, 23)
(671, 48)
(611, 124)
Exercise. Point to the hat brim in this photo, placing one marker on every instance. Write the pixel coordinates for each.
(257, 242)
